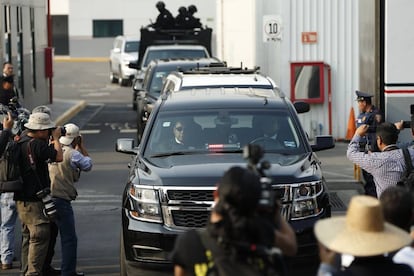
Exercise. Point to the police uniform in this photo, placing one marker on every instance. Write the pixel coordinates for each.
(372, 118)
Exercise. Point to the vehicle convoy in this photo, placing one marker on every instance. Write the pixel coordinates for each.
(146, 93)
(163, 44)
(124, 50)
(192, 137)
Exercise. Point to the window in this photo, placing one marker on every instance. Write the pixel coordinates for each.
(33, 44)
(107, 28)
(20, 63)
(7, 34)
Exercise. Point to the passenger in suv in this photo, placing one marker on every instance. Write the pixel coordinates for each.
(147, 93)
(125, 49)
(170, 190)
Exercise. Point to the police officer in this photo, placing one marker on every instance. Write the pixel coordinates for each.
(371, 116)
(182, 19)
(193, 21)
(165, 20)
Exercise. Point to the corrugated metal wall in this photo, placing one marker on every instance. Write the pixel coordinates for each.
(336, 24)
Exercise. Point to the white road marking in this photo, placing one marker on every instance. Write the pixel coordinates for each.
(90, 131)
(131, 130)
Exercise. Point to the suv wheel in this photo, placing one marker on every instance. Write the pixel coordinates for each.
(112, 77)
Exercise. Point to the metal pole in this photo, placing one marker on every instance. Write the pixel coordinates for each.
(49, 44)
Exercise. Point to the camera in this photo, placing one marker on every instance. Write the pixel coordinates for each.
(407, 124)
(269, 201)
(62, 131)
(50, 208)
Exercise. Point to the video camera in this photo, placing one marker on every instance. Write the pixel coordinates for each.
(407, 124)
(269, 201)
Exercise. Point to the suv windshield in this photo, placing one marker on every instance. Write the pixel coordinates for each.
(176, 53)
(222, 131)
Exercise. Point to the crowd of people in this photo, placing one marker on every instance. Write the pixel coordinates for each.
(50, 160)
(374, 237)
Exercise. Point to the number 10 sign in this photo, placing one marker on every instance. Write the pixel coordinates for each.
(271, 28)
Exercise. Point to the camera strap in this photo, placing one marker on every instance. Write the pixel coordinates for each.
(32, 163)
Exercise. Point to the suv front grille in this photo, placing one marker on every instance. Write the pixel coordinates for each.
(197, 195)
(192, 219)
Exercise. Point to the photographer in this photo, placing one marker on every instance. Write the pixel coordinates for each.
(63, 176)
(38, 145)
(237, 240)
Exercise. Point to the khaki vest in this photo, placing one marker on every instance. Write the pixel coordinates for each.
(63, 176)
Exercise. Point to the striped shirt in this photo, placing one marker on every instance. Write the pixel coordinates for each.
(386, 167)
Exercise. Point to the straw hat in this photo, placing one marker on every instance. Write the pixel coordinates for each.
(362, 232)
(39, 121)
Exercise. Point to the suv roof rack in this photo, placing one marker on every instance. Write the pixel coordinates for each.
(221, 68)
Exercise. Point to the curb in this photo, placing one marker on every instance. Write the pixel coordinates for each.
(70, 113)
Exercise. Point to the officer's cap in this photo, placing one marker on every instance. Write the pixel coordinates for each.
(362, 96)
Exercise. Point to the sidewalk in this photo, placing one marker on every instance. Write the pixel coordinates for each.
(64, 110)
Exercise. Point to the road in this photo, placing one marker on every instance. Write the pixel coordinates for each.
(109, 116)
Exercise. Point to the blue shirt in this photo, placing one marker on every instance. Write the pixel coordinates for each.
(386, 167)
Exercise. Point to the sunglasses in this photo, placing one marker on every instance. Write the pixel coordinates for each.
(180, 128)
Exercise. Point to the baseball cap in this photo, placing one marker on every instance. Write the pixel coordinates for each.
(72, 131)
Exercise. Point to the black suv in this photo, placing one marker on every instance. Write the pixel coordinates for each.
(192, 137)
(146, 93)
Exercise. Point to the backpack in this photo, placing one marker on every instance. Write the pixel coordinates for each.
(10, 176)
(407, 179)
(224, 266)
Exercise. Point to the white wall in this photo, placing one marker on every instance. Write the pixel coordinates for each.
(58, 7)
(135, 13)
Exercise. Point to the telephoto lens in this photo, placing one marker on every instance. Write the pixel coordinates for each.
(50, 208)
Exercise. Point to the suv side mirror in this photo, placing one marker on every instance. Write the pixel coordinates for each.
(126, 145)
(134, 65)
(323, 142)
(301, 107)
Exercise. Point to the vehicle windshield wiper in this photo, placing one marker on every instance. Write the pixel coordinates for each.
(174, 153)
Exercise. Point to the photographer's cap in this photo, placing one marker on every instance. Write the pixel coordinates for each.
(362, 96)
(72, 131)
(39, 121)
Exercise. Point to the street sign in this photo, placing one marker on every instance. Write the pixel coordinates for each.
(272, 27)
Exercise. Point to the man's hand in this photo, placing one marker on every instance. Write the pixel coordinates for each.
(399, 125)
(362, 130)
(8, 121)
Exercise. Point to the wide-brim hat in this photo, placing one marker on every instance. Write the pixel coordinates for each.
(72, 131)
(39, 121)
(362, 232)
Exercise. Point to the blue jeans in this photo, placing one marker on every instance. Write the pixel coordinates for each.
(69, 241)
(8, 222)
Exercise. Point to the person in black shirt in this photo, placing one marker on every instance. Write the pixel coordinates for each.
(165, 20)
(39, 144)
(193, 22)
(234, 224)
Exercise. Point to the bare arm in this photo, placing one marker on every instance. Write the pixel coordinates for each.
(179, 271)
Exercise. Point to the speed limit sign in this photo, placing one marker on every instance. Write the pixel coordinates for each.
(271, 28)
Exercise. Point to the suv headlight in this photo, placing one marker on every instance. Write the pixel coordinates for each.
(304, 201)
(145, 204)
